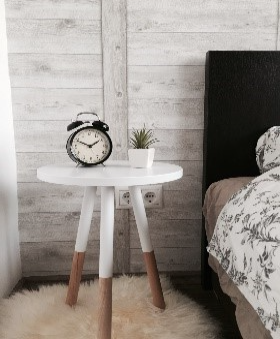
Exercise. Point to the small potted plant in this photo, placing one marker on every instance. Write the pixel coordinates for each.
(140, 155)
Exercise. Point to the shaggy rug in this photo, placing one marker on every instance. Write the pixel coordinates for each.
(43, 314)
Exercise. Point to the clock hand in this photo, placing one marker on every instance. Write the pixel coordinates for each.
(81, 142)
(90, 146)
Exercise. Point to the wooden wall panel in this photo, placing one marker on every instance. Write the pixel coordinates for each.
(47, 243)
(52, 136)
(115, 73)
(176, 244)
(167, 43)
(121, 242)
(278, 28)
(54, 36)
(177, 205)
(55, 258)
(41, 136)
(45, 197)
(62, 9)
(51, 258)
(169, 233)
(150, 57)
(168, 259)
(177, 82)
(192, 177)
(37, 227)
(190, 48)
(55, 70)
(28, 162)
(202, 16)
(166, 113)
(55, 103)
(178, 145)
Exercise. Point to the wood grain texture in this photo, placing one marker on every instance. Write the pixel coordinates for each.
(154, 281)
(278, 29)
(177, 205)
(202, 16)
(192, 177)
(55, 71)
(36, 226)
(115, 73)
(104, 308)
(55, 258)
(27, 164)
(178, 144)
(153, 71)
(46, 228)
(121, 241)
(166, 113)
(55, 104)
(75, 278)
(45, 197)
(168, 259)
(190, 48)
(59, 226)
(54, 36)
(45, 9)
(51, 136)
(169, 233)
(165, 82)
(56, 226)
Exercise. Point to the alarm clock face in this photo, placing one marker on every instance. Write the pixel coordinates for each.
(90, 146)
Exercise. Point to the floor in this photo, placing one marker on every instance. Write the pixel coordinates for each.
(188, 285)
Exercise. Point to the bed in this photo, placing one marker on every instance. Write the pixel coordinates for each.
(242, 101)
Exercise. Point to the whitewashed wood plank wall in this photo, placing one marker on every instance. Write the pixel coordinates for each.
(132, 62)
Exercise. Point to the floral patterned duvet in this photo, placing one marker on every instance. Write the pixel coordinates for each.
(246, 242)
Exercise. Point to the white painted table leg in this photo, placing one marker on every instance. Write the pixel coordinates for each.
(106, 263)
(146, 244)
(81, 244)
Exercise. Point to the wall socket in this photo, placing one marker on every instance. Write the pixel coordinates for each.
(152, 197)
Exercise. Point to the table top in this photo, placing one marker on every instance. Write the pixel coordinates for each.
(114, 173)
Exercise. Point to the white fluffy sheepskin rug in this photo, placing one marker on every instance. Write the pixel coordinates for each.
(43, 314)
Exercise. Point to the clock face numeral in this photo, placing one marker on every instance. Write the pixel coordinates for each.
(90, 146)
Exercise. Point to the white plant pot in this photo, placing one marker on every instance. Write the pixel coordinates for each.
(141, 157)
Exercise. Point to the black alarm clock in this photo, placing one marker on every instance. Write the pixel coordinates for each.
(90, 143)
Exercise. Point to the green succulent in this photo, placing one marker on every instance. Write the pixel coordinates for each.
(142, 138)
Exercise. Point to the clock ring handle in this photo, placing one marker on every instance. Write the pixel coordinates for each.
(76, 123)
(92, 113)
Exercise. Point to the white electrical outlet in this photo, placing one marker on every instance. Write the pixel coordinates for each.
(152, 197)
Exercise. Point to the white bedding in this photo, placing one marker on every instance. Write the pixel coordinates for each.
(246, 242)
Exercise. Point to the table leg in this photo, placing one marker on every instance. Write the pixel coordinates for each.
(81, 244)
(106, 263)
(146, 244)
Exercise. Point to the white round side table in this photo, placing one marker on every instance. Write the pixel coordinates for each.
(113, 174)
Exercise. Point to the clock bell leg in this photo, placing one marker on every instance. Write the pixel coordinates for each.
(106, 263)
(146, 244)
(81, 244)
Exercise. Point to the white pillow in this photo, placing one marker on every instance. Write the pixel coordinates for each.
(268, 149)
